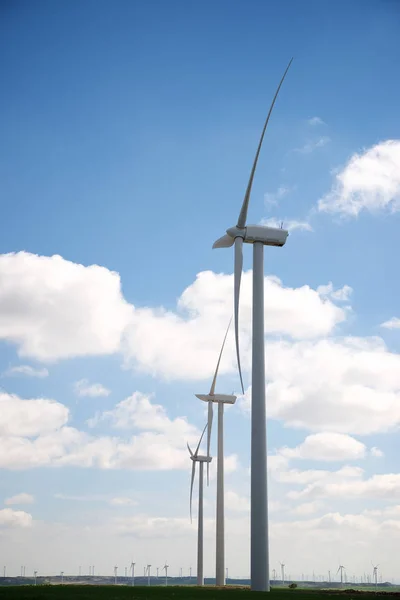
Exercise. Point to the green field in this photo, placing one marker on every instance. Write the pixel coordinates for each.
(112, 592)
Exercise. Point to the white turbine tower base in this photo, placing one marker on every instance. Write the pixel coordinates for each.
(219, 399)
(195, 458)
(259, 236)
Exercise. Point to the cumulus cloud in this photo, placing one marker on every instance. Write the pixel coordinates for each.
(342, 294)
(27, 440)
(327, 446)
(30, 417)
(22, 498)
(53, 308)
(370, 181)
(349, 385)
(14, 518)
(93, 390)
(393, 323)
(196, 329)
(27, 371)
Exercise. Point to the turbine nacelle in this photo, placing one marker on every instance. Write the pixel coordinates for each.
(203, 459)
(269, 236)
(222, 398)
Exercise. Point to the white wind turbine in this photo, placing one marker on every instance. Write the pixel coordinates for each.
(115, 574)
(283, 572)
(375, 574)
(220, 399)
(133, 573)
(148, 574)
(195, 457)
(165, 567)
(341, 569)
(259, 236)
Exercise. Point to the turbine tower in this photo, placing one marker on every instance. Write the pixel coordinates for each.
(133, 573)
(341, 569)
(148, 574)
(165, 567)
(219, 399)
(259, 236)
(194, 457)
(115, 574)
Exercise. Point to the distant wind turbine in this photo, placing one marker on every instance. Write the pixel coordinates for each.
(283, 572)
(35, 576)
(133, 573)
(194, 457)
(219, 399)
(115, 574)
(375, 574)
(341, 569)
(62, 577)
(148, 574)
(165, 568)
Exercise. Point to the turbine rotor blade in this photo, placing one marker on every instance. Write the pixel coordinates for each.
(191, 487)
(209, 425)
(189, 448)
(237, 280)
(243, 212)
(226, 241)
(198, 445)
(214, 381)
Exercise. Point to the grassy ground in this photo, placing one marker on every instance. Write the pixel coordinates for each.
(83, 592)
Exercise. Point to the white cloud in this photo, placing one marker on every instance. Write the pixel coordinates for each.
(272, 198)
(144, 526)
(93, 390)
(327, 446)
(235, 502)
(14, 518)
(159, 445)
(22, 498)
(386, 486)
(52, 308)
(342, 294)
(288, 224)
(28, 418)
(122, 501)
(195, 331)
(370, 181)
(312, 145)
(376, 452)
(26, 370)
(393, 323)
(307, 508)
(349, 385)
(315, 121)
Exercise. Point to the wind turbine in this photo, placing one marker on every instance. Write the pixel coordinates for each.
(220, 399)
(259, 236)
(148, 574)
(195, 457)
(115, 574)
(341, 569)
(35, 576)
(375, 574)
(133, 573)
(283, 572)
(165, 567)
(62, 577)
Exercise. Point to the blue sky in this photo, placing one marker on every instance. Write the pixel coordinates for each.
(128, 131)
